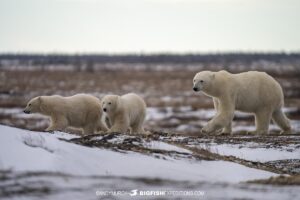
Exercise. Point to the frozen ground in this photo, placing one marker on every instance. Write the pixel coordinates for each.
(253, 151)
(61, 165)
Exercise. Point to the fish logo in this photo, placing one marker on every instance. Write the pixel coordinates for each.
(133, 193)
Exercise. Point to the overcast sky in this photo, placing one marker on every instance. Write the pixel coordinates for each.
(147, 26)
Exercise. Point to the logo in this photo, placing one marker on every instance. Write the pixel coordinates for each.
(133, 193)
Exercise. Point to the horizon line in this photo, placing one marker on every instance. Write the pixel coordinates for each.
(148, 53)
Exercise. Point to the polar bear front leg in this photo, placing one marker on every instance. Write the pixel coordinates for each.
(216, 104)
(119, 128)
(227, 130)
(89, 129)
(120, 125)
(57, 124)
(102, 126)
(223, 118)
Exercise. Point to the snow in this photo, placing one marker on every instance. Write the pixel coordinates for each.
(23, 150)
(252, 152)
(6, 111)
(164, 146)
(18, 113)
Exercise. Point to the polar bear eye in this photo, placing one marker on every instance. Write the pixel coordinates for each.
(30, 104)
(109, 103)
(201, 81)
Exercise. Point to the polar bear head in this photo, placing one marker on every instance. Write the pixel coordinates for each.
(110, 103)
(34, 105)
(203, 81)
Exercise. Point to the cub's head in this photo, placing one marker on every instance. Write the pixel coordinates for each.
(34, 105)
(110, 103)
(203, 81)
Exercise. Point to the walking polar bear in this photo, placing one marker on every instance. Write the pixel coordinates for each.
(252, 92)
(125, 112)
(80, 111)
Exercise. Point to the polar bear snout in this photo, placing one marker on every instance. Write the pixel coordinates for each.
(195, 89)
(26, 111)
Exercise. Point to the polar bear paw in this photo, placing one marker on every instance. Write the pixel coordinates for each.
(208, 129)
(286, 132)
(258, 132)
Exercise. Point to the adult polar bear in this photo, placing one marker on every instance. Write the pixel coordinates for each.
(80, 111)
(124, 112)
(252, 92)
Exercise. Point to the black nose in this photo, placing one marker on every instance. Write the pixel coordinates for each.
(195, 89)
(104, 109)
(26, 111)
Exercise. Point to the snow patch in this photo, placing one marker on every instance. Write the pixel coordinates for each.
(23, 150)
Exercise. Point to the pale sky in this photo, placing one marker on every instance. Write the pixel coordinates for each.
(149, 26)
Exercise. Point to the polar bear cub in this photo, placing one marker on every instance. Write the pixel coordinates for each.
(125, 112)
(252, 92)
(80, 111)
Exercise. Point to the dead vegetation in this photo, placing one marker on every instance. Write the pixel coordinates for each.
(279, 180)
(138, 143)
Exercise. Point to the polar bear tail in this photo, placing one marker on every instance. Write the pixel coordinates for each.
(281, 120)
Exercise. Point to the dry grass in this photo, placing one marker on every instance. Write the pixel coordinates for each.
(158, 88)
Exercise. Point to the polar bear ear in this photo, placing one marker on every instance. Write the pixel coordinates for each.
(40, 100)
(213, 75)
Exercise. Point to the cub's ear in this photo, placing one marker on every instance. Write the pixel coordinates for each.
(40, 99)
(118, 100)
(213, 75)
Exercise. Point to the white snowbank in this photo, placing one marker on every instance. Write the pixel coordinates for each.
(165, 146)
(23, 150)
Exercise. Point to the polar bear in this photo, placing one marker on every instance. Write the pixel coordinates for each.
(80, 111)
(252, 92)
(125, 112)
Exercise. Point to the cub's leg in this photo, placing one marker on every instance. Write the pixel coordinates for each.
(137, 126)
(102, 127)
(120, 125)
(89, 129)
(58, 124)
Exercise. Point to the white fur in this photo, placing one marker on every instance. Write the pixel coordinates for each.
(80, 111)
(125, 112)
(252, 92)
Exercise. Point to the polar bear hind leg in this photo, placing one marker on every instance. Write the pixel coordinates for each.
(58, 124)
(262, 121)
(282, 121)
(137, 126)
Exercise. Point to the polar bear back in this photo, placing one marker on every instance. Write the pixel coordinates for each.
(134, 105)
(78, 109)
(253, 90)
